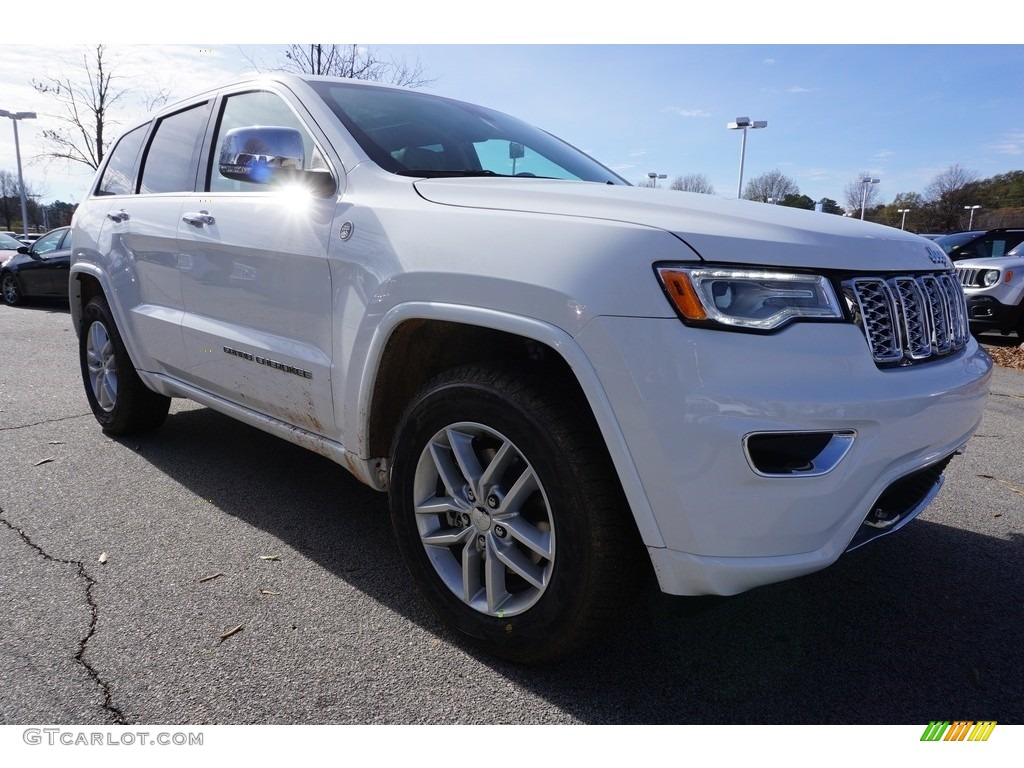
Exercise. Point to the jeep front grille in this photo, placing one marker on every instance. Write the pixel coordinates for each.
(970, 277)
(908, 319)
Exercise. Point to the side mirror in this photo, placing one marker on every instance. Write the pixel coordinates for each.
(270, 155)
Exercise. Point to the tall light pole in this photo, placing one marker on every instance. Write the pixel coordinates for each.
(972, 209)
(744, 123)
(904, 211)
(653, 176)
(866, 181)
(15, 117)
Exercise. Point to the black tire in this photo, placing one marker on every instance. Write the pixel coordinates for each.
(584, 556)
(120, 401)
(10, 289)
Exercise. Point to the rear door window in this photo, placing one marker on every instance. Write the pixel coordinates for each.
(172, 157)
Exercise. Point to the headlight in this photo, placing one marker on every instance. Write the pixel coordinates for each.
(741, 298)
(990, 277)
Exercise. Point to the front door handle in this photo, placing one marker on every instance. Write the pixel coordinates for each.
(200, 219)
(118, 216)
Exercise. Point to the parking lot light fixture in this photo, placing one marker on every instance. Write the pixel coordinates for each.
(865, 181)
(743, 123)
(653, 176)
(903, 221)
(15, 117)
(972, 209)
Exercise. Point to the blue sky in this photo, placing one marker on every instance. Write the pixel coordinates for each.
(901, 111)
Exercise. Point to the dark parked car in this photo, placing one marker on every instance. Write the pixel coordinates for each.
(41, 270)
(980, 244)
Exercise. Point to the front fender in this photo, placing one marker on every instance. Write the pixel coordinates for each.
(362, 379)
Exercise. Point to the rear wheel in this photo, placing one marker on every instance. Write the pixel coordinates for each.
(120, 401)
(508, 513)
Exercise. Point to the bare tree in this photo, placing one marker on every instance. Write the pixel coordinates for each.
(87, 100)
(10, 200)
(857, 194)
(353, 61)
(947, 194)
(693, 182)
(772, 185)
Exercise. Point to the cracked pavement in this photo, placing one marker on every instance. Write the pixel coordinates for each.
(920, 625)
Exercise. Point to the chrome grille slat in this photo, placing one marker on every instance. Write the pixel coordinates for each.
(968, 276)
(909, 319)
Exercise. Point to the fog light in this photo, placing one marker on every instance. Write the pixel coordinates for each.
(796, 454)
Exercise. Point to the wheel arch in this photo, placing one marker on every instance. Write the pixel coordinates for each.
(416, 342)
(84, 285)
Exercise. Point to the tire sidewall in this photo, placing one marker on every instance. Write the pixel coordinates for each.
(553, 620)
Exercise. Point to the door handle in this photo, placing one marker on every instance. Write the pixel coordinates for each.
(198, 219)
(118, 216)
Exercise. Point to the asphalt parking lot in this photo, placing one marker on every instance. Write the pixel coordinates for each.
(249, 581)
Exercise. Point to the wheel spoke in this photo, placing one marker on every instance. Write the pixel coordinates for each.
(470, 572)
(447, 537)
(521, 490)
(462, 449)
(438, 506)
(518, 563)
(446, 470)
(494, 580)
(498, 465)
(530, 536)
(109, 389)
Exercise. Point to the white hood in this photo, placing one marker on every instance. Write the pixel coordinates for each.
(728, 231)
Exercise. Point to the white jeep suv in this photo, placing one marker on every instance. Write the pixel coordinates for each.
(995, 292)
(560, 379)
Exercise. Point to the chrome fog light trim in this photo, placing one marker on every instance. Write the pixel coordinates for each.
(796, 454)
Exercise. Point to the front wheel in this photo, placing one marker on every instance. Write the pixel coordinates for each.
(508, 514)
(10, 289)
(120, 401)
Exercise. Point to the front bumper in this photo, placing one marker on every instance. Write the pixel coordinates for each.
(987, 312)
(687, 399)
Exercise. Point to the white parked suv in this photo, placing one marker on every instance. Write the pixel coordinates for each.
(995, 292)
(560, 379)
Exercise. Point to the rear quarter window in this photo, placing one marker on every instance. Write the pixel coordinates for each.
(119, 173)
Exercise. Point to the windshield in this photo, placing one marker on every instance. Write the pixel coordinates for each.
(950, 243)
(417, 134)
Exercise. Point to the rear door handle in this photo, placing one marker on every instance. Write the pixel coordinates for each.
(200, 219)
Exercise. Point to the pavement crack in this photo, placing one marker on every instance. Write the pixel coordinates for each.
(1012, 487)
(94, 610)
(1007, 394)
(44, 421)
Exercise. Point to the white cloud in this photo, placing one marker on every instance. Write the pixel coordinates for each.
(800, 89)
(688, 112)
(1010, 144)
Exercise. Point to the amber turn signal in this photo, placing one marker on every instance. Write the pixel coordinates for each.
(684, 297)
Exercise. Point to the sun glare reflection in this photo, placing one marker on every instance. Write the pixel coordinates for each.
(294, 198)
